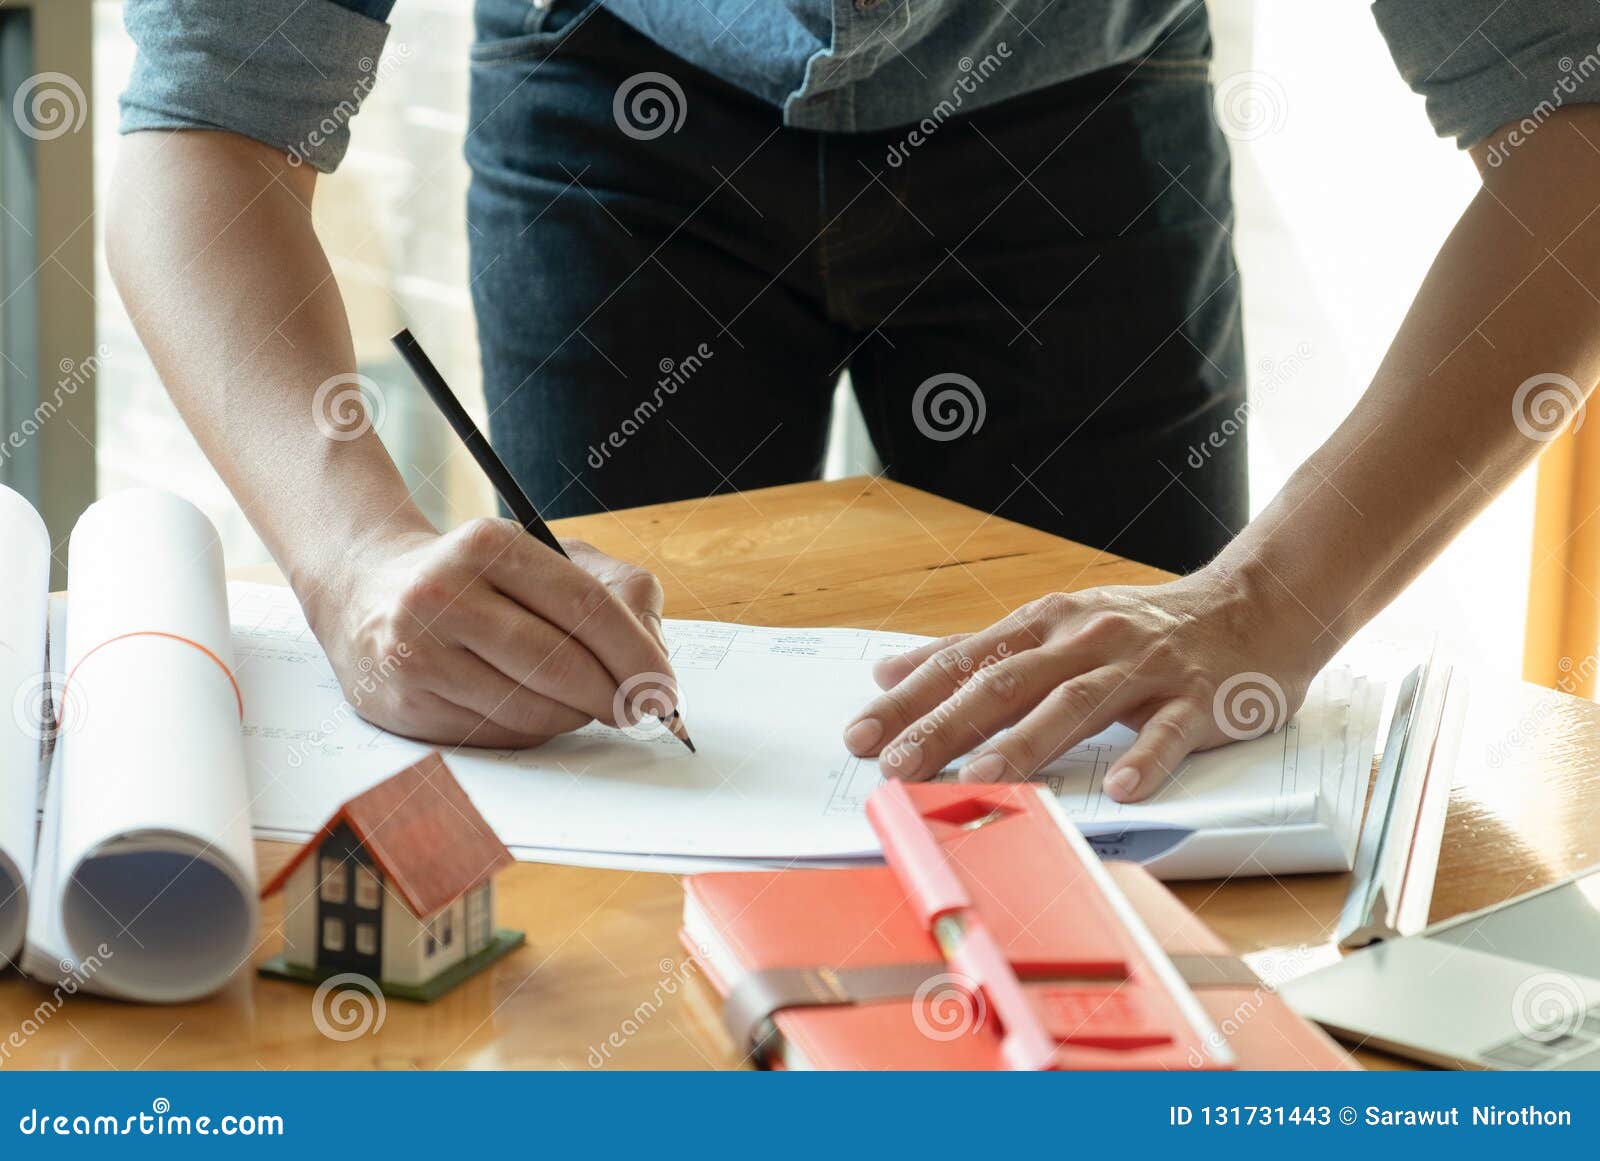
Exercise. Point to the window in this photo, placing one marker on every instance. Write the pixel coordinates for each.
(333, 934)
(335, 880)
(448, 922)
(367, 938)
(480, 916)
(432, 944)
(367, 892)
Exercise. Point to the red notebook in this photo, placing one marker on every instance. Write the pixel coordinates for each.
(870, 987)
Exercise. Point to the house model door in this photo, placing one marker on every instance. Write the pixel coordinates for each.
(349, 907)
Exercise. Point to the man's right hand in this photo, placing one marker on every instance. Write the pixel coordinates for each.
(484, 637)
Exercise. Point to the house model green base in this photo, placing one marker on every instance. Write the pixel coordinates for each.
(505, 941)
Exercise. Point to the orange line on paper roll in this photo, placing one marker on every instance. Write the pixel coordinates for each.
(233, 681)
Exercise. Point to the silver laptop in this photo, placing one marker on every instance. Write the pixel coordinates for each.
(1514, 986)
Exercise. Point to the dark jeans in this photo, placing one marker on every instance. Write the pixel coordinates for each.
(1037, 302)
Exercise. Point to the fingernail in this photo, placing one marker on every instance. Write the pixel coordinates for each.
(903, 760)
(863, 735)
(1122, 784)
(984, 768)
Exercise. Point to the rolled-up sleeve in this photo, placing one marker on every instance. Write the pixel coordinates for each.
(1482, 64)
(288, 73)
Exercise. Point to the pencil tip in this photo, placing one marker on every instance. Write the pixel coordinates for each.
(688, 741)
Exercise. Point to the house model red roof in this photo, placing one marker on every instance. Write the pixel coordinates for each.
(423, 832)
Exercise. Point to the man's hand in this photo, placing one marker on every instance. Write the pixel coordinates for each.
(1189, 665)
(485, 637)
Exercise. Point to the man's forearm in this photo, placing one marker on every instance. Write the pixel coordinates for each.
(1442, 429)
(211, 244)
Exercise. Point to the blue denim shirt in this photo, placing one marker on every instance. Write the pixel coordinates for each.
(293, 73)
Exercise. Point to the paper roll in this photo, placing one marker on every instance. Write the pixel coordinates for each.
(154, 845)
(25, 684)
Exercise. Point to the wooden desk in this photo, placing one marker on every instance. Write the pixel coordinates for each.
(603, 981)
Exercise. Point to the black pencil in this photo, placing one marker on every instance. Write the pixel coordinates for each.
(505, 484)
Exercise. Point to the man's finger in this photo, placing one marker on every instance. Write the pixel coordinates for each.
(472, 683)
(573, 601)
(1070, 713)
(534, 654)
(891, 671)
(1167, 737)
(995, 697)
(938, 677)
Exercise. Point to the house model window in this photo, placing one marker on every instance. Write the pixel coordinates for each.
(397, 886)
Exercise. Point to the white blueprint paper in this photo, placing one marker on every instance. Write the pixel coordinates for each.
(772, 780)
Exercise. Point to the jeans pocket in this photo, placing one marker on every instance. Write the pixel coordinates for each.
(519, 30)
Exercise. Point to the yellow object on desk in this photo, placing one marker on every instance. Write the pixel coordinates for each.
(604, 982)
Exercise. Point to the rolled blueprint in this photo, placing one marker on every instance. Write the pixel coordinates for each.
(146, 848)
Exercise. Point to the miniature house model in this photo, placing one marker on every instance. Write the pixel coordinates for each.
(397, 886)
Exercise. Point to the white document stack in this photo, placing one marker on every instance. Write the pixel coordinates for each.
(772, 783)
